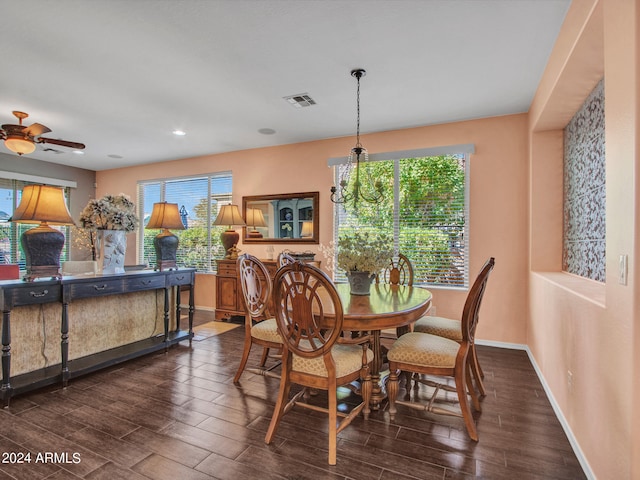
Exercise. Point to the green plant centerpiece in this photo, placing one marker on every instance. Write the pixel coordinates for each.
(109, 219)
(362, 256)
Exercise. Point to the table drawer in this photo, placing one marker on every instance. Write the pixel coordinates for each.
(179, 278)
(33, 294)
(144, 283)
(96, 288)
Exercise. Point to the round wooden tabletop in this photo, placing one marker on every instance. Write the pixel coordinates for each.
(388, 306)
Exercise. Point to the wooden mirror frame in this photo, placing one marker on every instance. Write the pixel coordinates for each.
(314, 196)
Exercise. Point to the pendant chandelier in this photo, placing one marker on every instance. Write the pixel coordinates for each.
(342, 193)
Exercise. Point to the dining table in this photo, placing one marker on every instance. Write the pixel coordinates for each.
(386, 307)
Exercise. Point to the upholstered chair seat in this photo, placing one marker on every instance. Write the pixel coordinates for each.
(424, 350)
(348, 359)
(266, 330)
(443, 327)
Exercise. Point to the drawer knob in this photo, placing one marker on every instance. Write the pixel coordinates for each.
(39, 294)
(100, 287)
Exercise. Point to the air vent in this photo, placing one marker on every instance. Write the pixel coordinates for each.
(53, 150)
(300, 100)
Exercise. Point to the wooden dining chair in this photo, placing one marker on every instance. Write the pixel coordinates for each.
(398, 272)
(259, 326)
(285, 259)
(451, 329)
(309, 316)
(431, 355)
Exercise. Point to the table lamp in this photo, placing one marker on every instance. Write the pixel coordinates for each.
(307, 229)
(42, 245)
(255, 219)
(165, 216)
(230, 215)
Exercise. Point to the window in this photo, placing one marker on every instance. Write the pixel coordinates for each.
(199, 199)
(424, 210)
(10, 249)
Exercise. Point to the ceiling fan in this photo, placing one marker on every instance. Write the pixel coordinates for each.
(22, 139)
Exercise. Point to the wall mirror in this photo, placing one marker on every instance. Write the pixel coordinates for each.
(284, 218)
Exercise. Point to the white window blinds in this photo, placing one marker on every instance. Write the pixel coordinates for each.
(425, 210)
(199, 199)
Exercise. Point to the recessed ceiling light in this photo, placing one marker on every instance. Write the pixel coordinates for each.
(179, 133)
(78, 152)
(267, 131)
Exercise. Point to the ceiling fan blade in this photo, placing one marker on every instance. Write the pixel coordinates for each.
(36, 129)
(63, 143)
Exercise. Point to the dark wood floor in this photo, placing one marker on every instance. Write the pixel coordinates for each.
(179, 416)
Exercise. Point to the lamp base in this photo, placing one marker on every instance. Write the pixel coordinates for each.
(254, 234)
(41, 271)
(166, 245)
(42, 247)
(229, 239)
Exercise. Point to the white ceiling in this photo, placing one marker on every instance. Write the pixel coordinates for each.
(121, 75)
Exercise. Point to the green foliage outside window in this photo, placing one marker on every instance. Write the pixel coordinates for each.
(429, 223)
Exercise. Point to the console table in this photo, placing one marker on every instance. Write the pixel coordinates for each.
(105, 319)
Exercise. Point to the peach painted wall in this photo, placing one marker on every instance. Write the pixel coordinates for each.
(498, 202)
(576, 325)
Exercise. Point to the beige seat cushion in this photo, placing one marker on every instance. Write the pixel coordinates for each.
(266, 330)
(443, 327)
(348, 359)
(424, 350)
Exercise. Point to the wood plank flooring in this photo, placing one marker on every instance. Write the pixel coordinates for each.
(178, 415)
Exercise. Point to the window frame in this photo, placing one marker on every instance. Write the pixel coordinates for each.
(212, 238)
(464, 150)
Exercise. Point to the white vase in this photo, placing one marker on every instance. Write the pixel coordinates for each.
(111, 247)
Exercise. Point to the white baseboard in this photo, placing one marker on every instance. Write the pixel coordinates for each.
(561, 418)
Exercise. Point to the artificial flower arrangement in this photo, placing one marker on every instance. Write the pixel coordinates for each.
(111, 212)
(360, 252)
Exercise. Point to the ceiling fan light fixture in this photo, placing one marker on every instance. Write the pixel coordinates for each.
(19, 145)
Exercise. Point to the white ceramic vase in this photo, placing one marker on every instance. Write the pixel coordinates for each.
(111, 248)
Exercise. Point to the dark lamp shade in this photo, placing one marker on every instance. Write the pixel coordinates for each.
(42, 203)
(165, 215)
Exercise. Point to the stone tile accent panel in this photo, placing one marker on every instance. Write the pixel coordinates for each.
(584, 190)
